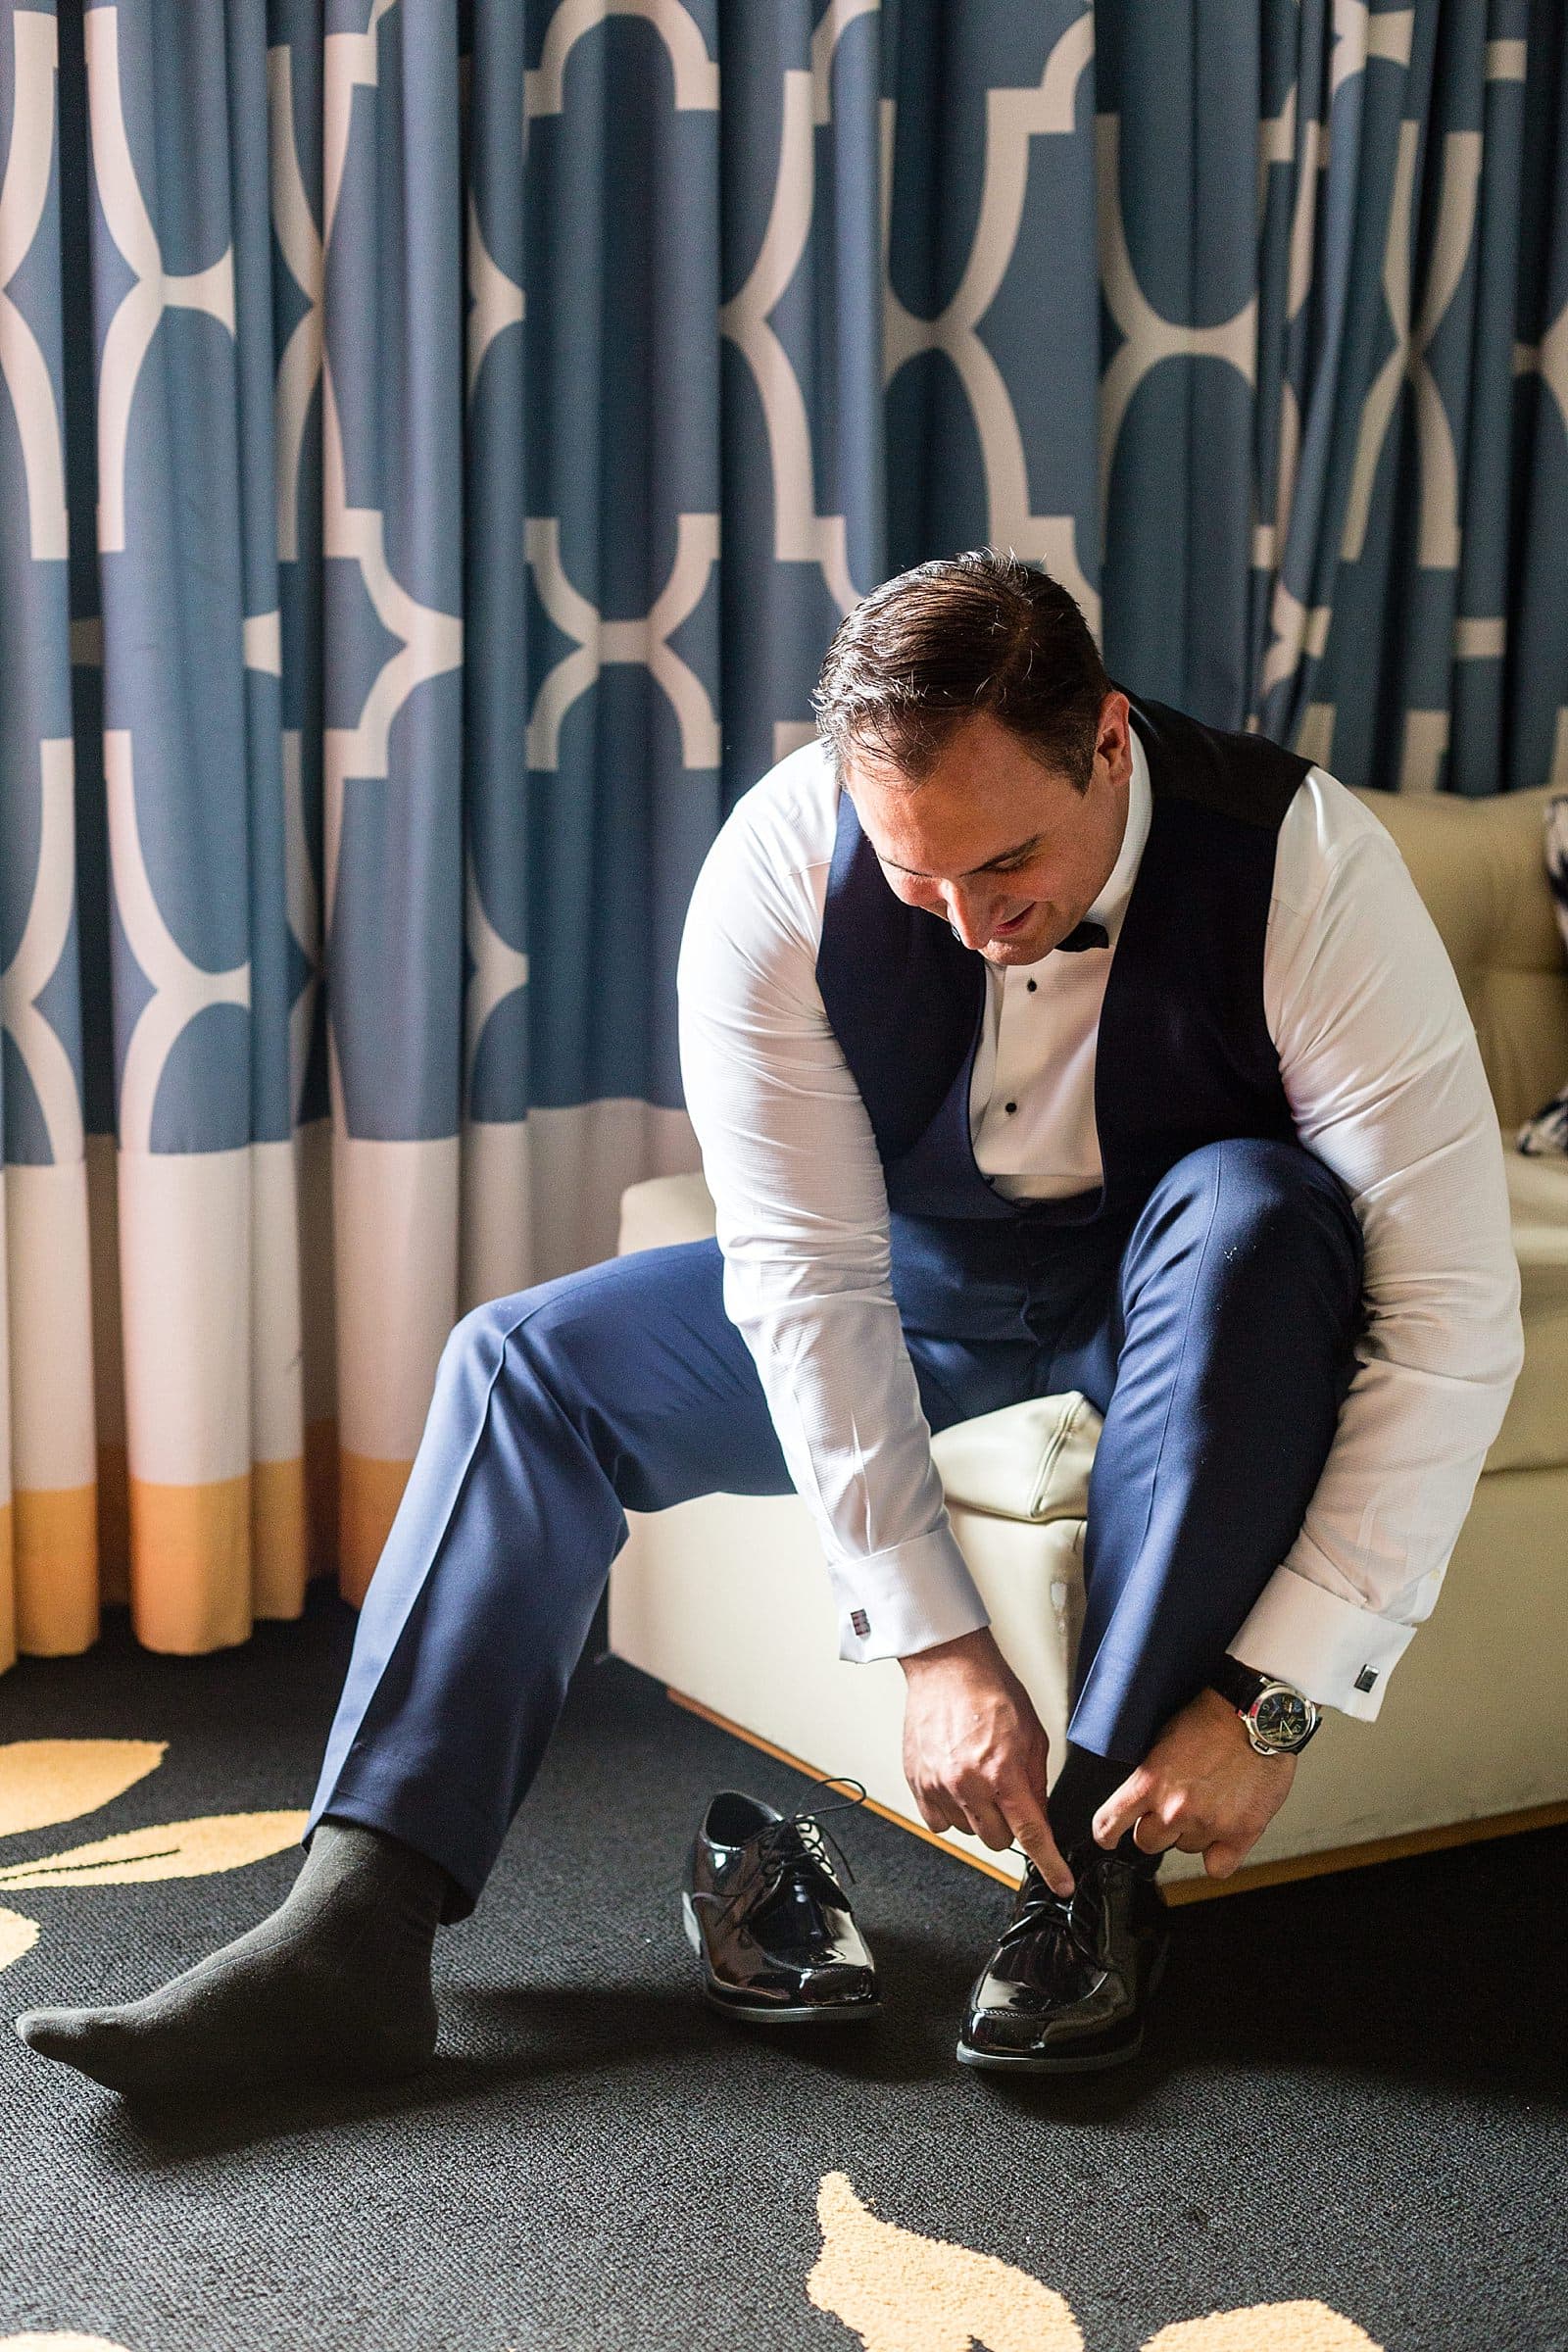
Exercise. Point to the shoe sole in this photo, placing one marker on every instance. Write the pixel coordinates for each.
(993, 2061)
(1026, 2063)
(806, 2015)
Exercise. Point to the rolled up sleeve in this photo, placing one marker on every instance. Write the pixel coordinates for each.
(1385, 1082)
(791, 1161)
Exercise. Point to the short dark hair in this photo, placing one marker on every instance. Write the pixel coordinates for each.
(961, 634)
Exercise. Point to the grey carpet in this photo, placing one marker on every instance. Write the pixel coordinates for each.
(1354, 2094)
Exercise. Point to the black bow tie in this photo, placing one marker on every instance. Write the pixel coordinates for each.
(1082, 935)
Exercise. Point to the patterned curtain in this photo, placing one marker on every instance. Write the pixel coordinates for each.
(382, 383)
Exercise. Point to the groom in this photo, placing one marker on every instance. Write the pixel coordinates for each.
(1037, 1038)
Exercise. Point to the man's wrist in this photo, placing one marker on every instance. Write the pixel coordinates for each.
(1218, 1711)
(1276, 1718)
(976, 1646)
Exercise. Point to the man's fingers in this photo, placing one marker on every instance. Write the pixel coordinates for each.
(1032, 1830)
(988, 1824)
(935, 1813)
(1121, 1809)
(932, 1805)
(1152, 1835)
(1221, 1858)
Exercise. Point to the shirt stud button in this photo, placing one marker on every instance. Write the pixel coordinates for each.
(1032, 985)
(1013, 1106)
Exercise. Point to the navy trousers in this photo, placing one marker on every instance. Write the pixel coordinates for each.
(1216, 1338)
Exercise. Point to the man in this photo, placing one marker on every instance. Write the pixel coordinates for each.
(1034, 1038)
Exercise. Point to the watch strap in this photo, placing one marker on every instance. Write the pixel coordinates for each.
(1240, 1684)
(1243, 1686)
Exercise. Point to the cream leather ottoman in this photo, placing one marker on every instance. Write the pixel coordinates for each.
(725, 1599)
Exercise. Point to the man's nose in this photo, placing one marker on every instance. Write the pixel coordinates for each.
(969, 915)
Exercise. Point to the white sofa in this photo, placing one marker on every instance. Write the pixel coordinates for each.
(725, 1598)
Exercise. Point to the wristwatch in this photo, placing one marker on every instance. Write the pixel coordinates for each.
(1278, 1719)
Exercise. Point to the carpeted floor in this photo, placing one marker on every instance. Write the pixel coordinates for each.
(1352, 2105)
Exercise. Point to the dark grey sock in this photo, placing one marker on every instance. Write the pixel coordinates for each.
(1081, 1787)
(335, 1982)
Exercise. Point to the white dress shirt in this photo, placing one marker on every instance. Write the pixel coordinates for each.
(1384, 1079)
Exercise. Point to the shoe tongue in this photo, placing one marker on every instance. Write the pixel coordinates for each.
(733, 1820)
(1035, 1894)
(779, 1838)
(1094, 1867)
(1099, 1881)
(783, 1851)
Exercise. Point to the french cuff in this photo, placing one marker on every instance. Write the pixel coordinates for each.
(909, 1597)
(1340, 1655)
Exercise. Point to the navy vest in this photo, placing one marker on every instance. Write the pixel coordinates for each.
(1184, 1057)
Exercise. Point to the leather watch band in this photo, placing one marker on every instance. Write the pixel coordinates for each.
(1241, 1687)
(1239, 1683)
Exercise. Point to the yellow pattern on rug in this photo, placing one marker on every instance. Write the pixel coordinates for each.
(1265, 2328)
(900, 2292)
(170, 1849)
(18, 1935)
(51, 2342)
(44, 1782)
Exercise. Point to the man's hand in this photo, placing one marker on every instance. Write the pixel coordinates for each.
(975, 1751)
(1201, 1788)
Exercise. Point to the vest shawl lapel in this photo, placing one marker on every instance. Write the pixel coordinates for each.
(1183, 1053)
(904, 995)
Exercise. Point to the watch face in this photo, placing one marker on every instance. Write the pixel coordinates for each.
(1282, 1716)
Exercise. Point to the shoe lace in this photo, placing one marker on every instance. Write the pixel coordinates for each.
(793, 1838)
(1075, 1913)
(1038, 1903)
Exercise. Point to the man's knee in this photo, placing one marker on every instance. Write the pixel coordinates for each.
(1256, 1195)
(478, 1339)
(601, 1332)
(548, 1326)
(637, 1355)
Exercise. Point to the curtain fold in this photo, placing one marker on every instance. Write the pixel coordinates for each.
(437, 439)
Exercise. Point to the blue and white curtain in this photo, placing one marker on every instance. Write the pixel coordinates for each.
(435, 447)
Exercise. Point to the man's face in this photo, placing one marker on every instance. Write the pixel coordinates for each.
(1006, 848)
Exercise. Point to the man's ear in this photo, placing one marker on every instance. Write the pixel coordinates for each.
(1113, 743)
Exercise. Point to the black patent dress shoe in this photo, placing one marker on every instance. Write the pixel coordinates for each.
(767, 1916)
(1067, 1990)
